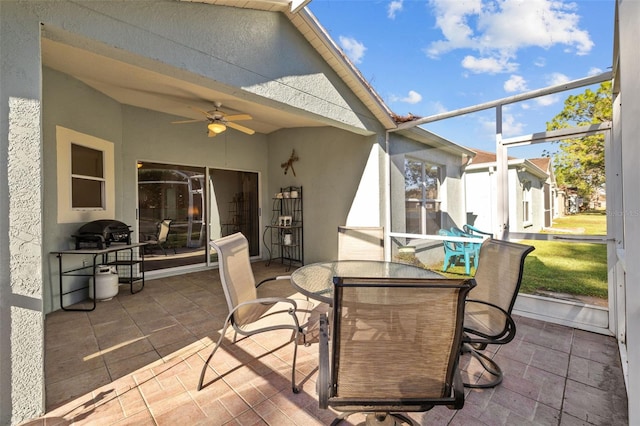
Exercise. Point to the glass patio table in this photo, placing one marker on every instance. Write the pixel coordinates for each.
(316, 280)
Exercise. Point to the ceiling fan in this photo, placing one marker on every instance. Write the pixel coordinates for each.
(219, 121)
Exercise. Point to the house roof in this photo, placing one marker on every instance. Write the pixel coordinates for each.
(421, 135)
(484, 159)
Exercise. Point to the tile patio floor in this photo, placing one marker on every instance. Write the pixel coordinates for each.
(136, 359)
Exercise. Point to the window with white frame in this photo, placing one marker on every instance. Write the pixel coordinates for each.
(422, 196)
(86, 177)
(527, 209)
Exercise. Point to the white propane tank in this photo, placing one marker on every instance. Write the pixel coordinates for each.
(106, 283)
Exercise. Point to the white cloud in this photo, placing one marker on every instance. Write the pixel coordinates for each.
(594, 71)
(498, 29)
(540, 62)
(395, 6)
(516, 83)
(488, 65)
(547, 100)
(412, 98)
(557, 78)
(352, 48)
(510, 126)
(438, 107)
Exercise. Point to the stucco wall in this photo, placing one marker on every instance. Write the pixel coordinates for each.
(21, 318)
(257, 55)
(221, 47)
(331, 168)
(70, 103)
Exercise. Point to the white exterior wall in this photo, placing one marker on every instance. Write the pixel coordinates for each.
(21, 254)
(481, 193)
(628, 127)
(480, 190)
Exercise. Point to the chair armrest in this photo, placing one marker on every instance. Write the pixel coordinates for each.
(268, 301)
(323, 363)
(280, 277)
(505, 336)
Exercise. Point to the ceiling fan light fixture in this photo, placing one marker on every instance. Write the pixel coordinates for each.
(217, 127)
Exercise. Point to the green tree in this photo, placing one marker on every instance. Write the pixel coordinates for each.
(580, 162)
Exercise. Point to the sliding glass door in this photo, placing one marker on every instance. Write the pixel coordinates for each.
(183, 197)
(234, 206)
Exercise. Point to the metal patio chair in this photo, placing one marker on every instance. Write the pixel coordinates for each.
(249, 314)
(160, 239)
(395, 347)
(487, 318)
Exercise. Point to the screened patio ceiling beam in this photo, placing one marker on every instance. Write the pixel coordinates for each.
(555, 135)
(587, 81)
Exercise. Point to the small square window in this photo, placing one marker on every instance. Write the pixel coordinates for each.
(86, 177)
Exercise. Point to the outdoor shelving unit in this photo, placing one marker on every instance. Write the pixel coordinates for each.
(284, 236)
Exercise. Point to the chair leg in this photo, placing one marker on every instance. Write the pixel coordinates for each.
(294, 388)
(378, 419)
(445, 264)
(467, 264)
(488, 364)
(206, 364)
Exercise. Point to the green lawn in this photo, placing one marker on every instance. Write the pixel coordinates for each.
(564, 267)
(574, 268)
(590, 223)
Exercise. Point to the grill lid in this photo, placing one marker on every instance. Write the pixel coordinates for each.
(102, 232)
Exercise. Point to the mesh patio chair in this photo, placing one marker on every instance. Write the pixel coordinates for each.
(395, 347)
(360, 243)
(249, 314)
(160, 239)
(487, 319)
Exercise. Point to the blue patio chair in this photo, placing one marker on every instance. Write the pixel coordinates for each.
(454, 251)
(474, 247)
(469, 229)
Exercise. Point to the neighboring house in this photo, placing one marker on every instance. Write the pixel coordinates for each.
(532, 193)
(90, 91)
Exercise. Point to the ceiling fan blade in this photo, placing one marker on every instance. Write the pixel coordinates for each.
(187, 121)
(238, 117)
(211, 134)
(240, 128)
(206, 113)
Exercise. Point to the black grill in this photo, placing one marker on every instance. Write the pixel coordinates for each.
(101, 233)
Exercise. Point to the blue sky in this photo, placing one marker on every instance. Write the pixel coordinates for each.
(430, 56)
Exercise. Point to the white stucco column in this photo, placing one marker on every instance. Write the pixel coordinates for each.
(628, 14)
(21, 260)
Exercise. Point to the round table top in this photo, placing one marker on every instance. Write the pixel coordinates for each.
(316, 280)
